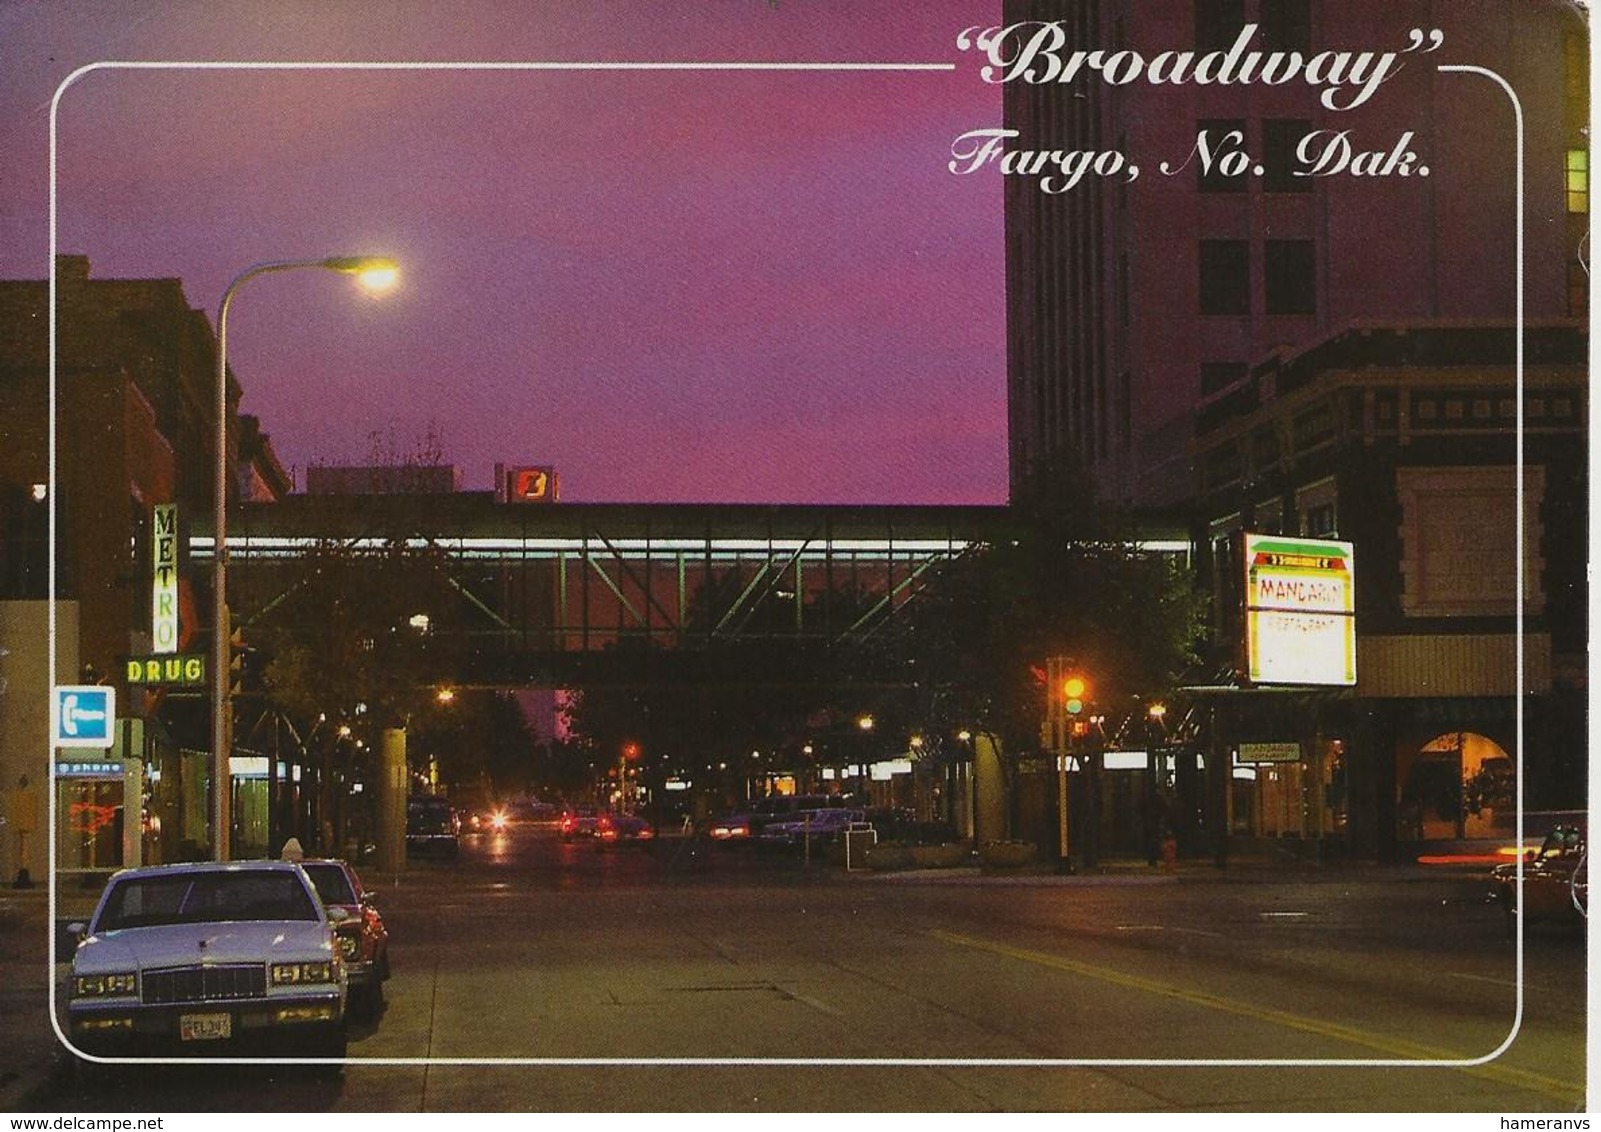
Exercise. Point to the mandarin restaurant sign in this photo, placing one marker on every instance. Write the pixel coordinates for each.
(1300, 611)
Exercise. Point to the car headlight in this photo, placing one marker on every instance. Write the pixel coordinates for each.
(349, 945)
(96, 986)
(294, 973)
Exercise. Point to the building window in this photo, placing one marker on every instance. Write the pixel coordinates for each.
(1317, 504)
(1286, 25)
(1125, 407)
(1576, 56)
(1223, 135)
(1287, 271)
(1578, 180)
(1225, 277)
(1123, 307)
(1280, 137)
(1218, 23)
(1218, 376)
(1578, 290)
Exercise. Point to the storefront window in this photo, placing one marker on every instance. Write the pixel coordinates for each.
(89, 817)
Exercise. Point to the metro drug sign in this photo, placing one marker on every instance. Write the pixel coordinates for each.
(1300, 611)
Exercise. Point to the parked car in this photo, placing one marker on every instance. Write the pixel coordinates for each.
(819, 826)
(624, 829)
(197, 955)
(1556, 886)
(433, 829)
(578, 821)
(362, 937)
(746, 822)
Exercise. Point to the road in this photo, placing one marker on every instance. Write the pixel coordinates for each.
(536, 975)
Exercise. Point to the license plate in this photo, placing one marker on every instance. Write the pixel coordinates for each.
(204, 1027)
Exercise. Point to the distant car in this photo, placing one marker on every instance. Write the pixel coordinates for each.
(624, 829)
(495, 819)
(363, 939)
(195, 956)
(730, 828)
(821, 827)
(433, 829)
(578, 821)
(542, 813)
(746, 822)
(1556, 884)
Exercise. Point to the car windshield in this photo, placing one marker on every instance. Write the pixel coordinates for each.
(331, 882)
(1564, 841)
(205, 897)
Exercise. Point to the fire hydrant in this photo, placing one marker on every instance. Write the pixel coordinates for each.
(1170, 854)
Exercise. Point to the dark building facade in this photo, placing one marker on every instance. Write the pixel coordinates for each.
(1131, 304)
(135, 428)
(1332, 356)
(1402, 441)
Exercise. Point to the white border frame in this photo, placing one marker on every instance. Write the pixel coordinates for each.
(1087, 1062)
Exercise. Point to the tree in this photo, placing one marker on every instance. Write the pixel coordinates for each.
(1069, 581)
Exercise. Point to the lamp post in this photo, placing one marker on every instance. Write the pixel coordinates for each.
(376, 272)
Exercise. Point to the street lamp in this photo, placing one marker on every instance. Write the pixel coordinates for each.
(374, 272)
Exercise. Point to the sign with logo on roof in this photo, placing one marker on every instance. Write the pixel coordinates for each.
(1300, 610)
(83, 715)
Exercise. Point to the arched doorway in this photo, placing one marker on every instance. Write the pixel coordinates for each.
(1460, 785)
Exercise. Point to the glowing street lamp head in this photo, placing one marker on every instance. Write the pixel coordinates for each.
(376, 273)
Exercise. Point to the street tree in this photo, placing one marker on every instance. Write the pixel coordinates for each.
(1069, 580)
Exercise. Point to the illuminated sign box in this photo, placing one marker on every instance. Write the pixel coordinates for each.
(533, 485)
(182, 670)
(82, 715)
(164, 574)
(1270, 752)
(1300, 611)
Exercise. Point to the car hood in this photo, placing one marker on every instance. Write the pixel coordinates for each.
(171, 945)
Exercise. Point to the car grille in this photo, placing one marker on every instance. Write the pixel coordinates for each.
(203, 984)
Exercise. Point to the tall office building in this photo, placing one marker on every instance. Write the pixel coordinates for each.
(1133, 303)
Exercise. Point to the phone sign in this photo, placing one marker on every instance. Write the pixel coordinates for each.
(83, 715)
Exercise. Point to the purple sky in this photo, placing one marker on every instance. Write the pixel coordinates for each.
(673, 286)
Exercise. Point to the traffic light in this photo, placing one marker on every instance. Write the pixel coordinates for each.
(1075, 691)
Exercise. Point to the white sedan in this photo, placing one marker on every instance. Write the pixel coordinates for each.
(192, 957)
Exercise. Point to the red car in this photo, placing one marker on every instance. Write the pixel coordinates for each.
(358, 928)
(624, 829)
(578, 821)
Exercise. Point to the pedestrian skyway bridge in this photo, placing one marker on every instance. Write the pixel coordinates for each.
(583, 591)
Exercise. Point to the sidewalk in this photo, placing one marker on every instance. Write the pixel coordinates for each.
(1238, 869)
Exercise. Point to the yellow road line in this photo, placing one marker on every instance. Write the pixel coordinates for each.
(1566, 1091)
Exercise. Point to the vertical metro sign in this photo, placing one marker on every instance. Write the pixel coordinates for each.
(1300, 610)
(164, 578)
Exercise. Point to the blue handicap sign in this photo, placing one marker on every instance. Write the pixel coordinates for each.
(84, 715)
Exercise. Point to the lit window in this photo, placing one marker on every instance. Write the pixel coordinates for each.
(1578, 180)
